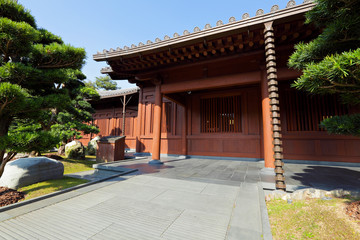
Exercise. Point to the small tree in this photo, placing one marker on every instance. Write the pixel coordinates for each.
(103, 82)
(40, 83)
(331, 62)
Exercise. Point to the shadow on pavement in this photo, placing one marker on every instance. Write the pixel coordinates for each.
(328, 178)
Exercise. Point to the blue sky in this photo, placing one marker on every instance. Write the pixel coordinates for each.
(103, 24)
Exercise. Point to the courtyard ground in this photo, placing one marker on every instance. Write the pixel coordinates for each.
(181, 199)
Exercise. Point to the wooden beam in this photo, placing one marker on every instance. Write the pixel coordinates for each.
(176, 99)
(214, 82)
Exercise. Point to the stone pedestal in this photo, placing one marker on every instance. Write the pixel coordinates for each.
(110, 149)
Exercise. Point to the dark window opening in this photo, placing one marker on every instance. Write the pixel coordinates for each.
(166, 117)
(221, 114)
(304, 112)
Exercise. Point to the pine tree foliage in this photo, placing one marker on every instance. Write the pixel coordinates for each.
(103, 82)
(42, 93)
(331, 62)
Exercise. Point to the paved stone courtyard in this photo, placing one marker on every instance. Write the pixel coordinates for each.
(182, 199)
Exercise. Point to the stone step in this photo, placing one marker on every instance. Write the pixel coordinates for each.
(113, 166)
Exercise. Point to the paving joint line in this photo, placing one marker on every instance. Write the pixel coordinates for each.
(101, 230)
(207, 184)
(232, 212)
(159, 194)
(172, 223)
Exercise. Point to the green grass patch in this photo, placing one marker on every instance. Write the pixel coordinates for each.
(311, 219)
(73, 166)
(46, 187)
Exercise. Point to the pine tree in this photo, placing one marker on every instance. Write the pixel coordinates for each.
(103, 82)
(41, 86)
(331, 62)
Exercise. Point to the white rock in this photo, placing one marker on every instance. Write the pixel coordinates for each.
(92, 146)
(26, 171)
(75, 150)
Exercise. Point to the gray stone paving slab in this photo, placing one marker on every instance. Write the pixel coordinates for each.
(246, 217)
(221, 190)
(265, 222)
(179, 185)
(198, 225)
(101, 173)
(195, 201)
(144, 192)
(125, 232)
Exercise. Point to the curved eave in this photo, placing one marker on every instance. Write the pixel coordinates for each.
(118, 93)
(246, 24)
(115, 75)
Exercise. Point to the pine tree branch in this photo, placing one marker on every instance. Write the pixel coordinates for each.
(344, 85)
(58, 65)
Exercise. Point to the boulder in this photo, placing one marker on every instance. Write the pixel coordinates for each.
(92, 146)
(25, 171)
(75, 150)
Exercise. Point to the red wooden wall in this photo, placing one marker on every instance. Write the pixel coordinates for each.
(303, 139)
(300, 113)
(110, 121)
(306, 141)
(245, 143)
(171, 124)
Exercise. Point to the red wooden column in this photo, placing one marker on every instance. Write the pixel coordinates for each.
(273, 93)
(184, 131)
(267, 127)
(139, 118)
(157, 124)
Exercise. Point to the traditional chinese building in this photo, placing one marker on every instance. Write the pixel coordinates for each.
(116, 114)
(225, 91)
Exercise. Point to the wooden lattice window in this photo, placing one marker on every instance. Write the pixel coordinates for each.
(166, 117)
(149, 117)
(221, 114)
(305, 112)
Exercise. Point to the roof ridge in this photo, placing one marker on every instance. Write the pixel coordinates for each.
(219, 23)
(117, 92)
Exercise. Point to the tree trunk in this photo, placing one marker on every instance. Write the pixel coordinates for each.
(2, 167)
(9, 156)
(4, 128)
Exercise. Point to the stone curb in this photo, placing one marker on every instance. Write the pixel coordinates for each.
(265, 222)
(26, 202)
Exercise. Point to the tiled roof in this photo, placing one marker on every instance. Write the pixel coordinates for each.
(118, 93)
(208, 30)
